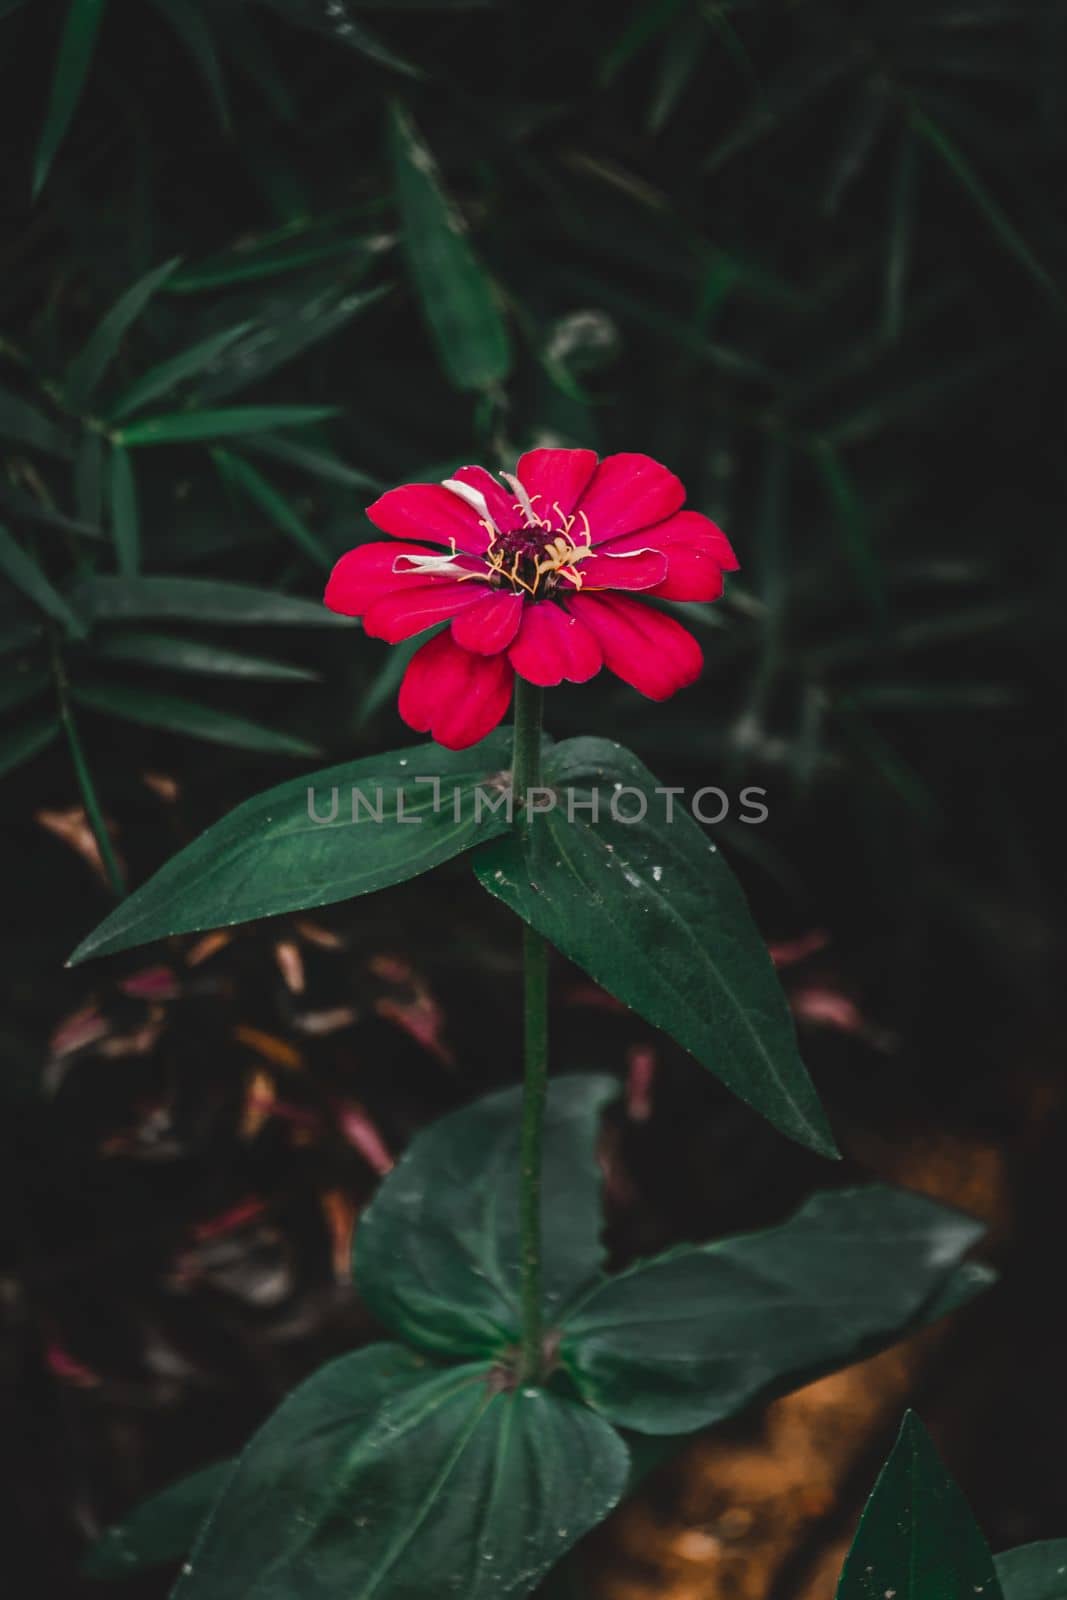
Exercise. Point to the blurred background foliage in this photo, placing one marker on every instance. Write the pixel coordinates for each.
(263, 258)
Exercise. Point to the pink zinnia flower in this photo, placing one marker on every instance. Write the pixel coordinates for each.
(533, 573)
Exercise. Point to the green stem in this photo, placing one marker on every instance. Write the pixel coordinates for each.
(84, 776)
(526, 774)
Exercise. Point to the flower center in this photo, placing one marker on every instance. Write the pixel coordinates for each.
(542, 551)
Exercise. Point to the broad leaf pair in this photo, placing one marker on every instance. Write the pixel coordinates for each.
(634, 893)
(386, 1469)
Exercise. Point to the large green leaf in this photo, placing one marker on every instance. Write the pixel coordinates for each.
(1034, 1571)
(135, 599)
(386, 1477)
(269, 856)
(174, 714)
(183, 427)
(694, 1335)
(76, 46)
(917, 1538)
(22, 570)
(454, 291)
(161, 1528)
(650, 909)
(437, 1251)
(89, 366)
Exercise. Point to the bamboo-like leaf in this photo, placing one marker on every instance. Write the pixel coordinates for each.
(174, 653)
(125, 523)
(26, 575)
(174, 714)
(108, 599)
(191, 26)
(76, 46)
(454, 291)
(184, 427)
(164, 377)
(245, 478)
(89, 366)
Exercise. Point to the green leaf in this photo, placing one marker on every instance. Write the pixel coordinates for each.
(302, 323)
(88, 367)
(26, 575)
(73, 61)
(917, 1538)
(901, 232)
(1034, 1571)
(385, 1477)
(174, 714)
(288, 251)
(853, 531)
(88, 478)
(335, 20)
(168, 374)
(177, 654)
(651, 911)
(162, 1528)
(269, 856)
(26, 425)
(967, 178)
(190, 24)
(644, 24)
(125, 524)
(695, 1335)
(320, 463)
(245, 478)
(181, 427)
(437, 1251)
(107, 599)
(454, 291)
(23, 743)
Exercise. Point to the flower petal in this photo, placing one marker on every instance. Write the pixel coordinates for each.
(555, 477)
(403, 612)
(366, 573)
(454, 696)
(697, 554)
(499, 501)
(553, 645)
(431, 512)
(640, 568)
(629, 491)
(490, 626)
(651, 652)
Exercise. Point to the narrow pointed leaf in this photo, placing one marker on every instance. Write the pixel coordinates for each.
(165, 377)
(26, 575)
(245, 478)
(191, 26)
(917, 1538)
(182, 427)
(173, 714)
(383, 1476)
(125, 524)
(336, 20)
(162, 1528)
(320, 463)
(87, 368)
(26, 425)
(305, 322)
(177, 654)
(135, 599)
(686, 1338)
(652, 912)
(76, 46)
(270, 855)
(437, 1251)
(1034, 1571)
(454, 290)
